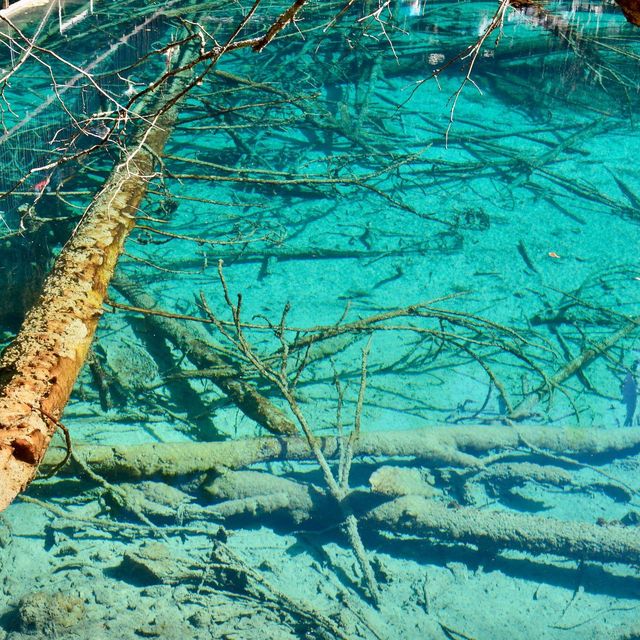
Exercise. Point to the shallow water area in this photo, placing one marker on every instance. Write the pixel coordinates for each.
(416, 258)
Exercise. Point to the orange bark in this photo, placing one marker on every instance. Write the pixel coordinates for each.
(38, 370)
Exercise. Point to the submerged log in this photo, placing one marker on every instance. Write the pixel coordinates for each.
(200, 351)
(437, 446)
(251, 494)
(415, 515)
(38, 370)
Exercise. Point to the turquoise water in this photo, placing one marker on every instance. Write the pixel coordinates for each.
(470, 246)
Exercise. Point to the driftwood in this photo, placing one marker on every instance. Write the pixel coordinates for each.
(202, 354)
(38, 370)
(414, 515)
(437, 446)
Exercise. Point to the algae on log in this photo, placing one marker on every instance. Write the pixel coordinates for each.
(38, 370)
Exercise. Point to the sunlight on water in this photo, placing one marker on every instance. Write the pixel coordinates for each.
(376, 232)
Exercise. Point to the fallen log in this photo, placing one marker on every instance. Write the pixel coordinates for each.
(435, 446)
(38, 370)
(251, 494)
(415, 515)
(202, 354)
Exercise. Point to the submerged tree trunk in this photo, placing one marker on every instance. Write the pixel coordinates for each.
(418, 516)
(38, 370)
(461, 447)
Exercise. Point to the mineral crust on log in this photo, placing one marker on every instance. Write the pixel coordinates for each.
(442, 446)
(415, 515)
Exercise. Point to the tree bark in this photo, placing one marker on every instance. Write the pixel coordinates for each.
(631, 10)
(38, 370)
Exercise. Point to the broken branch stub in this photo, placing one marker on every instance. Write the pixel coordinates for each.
(38, 370)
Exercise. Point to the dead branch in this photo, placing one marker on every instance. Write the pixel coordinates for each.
(283, 20)
(525, 407)
(279, 378)
(202, 354)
